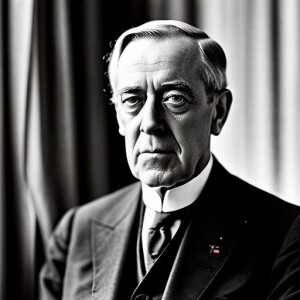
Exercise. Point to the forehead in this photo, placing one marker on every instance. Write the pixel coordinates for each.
(159, 59)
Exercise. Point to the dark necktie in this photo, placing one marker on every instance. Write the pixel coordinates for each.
(159, 235)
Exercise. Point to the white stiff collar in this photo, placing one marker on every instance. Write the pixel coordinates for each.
(178, 197)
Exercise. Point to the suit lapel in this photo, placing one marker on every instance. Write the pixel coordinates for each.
(209, 240)
(110, 241)
(201, 256)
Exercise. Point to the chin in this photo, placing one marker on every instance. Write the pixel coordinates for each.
(156, 178)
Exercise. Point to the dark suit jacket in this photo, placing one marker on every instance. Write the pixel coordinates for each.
(256, 239)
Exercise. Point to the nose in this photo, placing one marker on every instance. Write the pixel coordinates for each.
(152, 120)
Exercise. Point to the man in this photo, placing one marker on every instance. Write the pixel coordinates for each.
(216, 237)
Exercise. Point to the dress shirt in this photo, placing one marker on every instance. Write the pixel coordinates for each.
(174, 199)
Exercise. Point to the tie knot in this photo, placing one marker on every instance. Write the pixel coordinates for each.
(162, 219)
(159, 234)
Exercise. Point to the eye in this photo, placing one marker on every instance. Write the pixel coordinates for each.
(132, 101)
(176, 103)
(176, 100)
(132, 104)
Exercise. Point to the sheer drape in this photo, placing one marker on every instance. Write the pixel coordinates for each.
(58, 135)
(261, 142)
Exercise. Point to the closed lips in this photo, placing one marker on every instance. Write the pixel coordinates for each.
(159, 151)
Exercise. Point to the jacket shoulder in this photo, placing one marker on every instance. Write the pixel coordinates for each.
(74, 227)
(111, 204)
(268, 212)
(252, 200)
(263, 200)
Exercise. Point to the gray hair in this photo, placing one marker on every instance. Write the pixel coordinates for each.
(212, 59)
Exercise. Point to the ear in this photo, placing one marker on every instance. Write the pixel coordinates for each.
(120, 122)
(221, 111)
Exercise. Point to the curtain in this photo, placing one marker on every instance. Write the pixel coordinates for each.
(260, 142)
(17, 216)
(59, 142)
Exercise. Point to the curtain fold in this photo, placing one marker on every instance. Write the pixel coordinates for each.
(17, 214)
(51, 162)
(289, 106)
(2, 154)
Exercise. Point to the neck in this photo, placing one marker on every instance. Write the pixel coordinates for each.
(198, 169)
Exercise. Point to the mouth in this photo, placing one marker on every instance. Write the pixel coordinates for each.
(158, 151)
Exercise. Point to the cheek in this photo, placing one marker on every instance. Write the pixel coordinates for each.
(193, 137)
(129, 145)
(131, 139)
(129, 142)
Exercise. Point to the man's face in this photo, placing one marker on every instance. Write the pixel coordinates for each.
(163, 111)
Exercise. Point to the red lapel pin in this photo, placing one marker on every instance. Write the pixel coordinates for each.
(214, 249)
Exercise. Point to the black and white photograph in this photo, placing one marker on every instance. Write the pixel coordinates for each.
(149, 150)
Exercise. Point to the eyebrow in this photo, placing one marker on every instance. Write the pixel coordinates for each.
(178, 85)
(130, 90)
